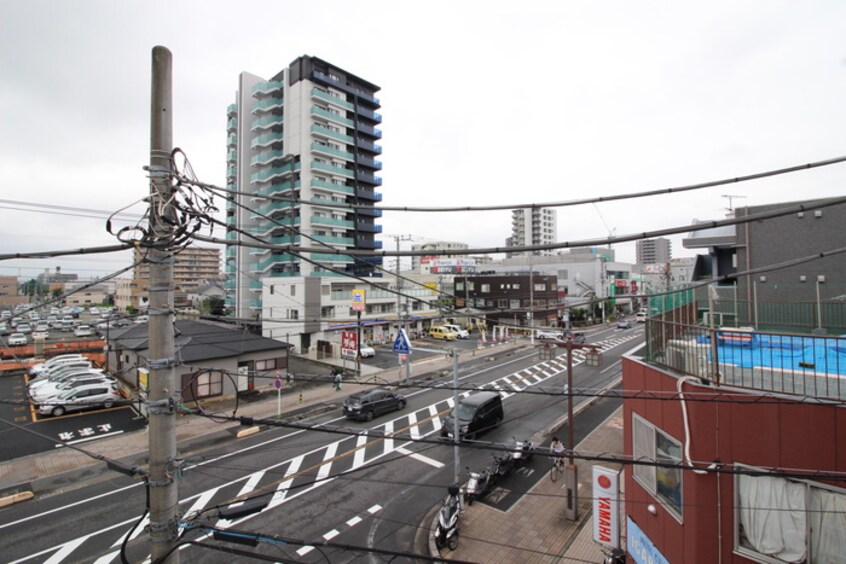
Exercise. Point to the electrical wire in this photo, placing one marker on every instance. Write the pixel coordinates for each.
(578, 202)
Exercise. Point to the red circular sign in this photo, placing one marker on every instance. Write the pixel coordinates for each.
(604, 482)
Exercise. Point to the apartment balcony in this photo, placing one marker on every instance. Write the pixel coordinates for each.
(322, 149)
(232, 124)
(368, 146)
(333, 240)
(255, 285)
(231, 157)
(325, 79)
(266, 140)
(270, 209)
(368, 162)
(271, 173)
(368, 227)
(331, 186)
(369, 178)
(315, 111)
(275, 190)
(268, 105)
(369, 130)
(370, 114)
(267, 122)
(317, 94)
(369, 195)
(268, 228)
(231, 140)
(267, 157)
(321, 220)
(232, 110)
(275, 259)
(368, 244)
(369, 212)
(323, 131)
(231, 172)
(255, 304)
(267, 88)
(341, 259)
(326, 167)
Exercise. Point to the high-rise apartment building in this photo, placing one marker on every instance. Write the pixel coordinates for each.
(534, 227)
(302, 150)
(651, 251)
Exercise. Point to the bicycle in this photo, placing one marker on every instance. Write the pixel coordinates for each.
(557, 467)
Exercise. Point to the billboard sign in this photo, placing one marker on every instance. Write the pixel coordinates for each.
(453, 266)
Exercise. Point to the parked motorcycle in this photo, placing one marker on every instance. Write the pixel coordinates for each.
(523, 451)
(502, 466)
(478, 485)
(446, 532)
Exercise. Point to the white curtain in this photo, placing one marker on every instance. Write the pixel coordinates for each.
(828, 526)
(772, 512)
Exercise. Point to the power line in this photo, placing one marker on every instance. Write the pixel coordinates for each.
(705, 225)
(583, 201)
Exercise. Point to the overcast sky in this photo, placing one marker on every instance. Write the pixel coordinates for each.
(482, 103)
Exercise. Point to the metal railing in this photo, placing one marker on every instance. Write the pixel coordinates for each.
(805, 365)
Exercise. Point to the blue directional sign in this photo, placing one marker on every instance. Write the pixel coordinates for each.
(401, 344)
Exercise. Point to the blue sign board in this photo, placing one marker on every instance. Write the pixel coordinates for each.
(401, 344)
(640, 547)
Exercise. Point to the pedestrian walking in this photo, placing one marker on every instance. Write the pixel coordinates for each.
(338, 378)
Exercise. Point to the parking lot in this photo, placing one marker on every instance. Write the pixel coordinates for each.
(19, 440)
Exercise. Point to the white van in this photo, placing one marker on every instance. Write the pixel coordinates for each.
(641, 316)
(462, 333)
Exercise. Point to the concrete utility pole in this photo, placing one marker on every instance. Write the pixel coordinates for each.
(164, 495)
(571, 471)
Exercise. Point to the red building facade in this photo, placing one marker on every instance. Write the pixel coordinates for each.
(767, 485)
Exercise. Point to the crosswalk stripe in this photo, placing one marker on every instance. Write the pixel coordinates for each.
(413, 428)
(331, 450)
(358, 457)
(282, 490)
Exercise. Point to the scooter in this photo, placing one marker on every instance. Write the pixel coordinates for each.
(502, 466)
(478, 485)
(446, 533)
(523, 451)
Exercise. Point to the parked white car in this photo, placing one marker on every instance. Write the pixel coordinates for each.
(462, 333)
(50, 391)
(83, 331)
(54, 361)
(16, 339)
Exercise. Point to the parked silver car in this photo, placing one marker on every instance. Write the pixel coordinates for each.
(83, 397)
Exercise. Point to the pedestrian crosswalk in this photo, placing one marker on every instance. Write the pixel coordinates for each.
(305, 472)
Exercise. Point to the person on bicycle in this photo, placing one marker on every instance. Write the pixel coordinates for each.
(556, 449)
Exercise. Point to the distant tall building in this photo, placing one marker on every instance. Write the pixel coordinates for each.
(309, 134)
(192, 267)
(651, 251)
(533, 227)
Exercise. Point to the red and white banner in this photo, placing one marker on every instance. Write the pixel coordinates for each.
(349, 341)
(606, 506)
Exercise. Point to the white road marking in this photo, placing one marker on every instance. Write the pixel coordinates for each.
(354, 521)
(420, 457)
(358, 457)
(331, 534)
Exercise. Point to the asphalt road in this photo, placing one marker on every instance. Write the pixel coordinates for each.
(369, 490)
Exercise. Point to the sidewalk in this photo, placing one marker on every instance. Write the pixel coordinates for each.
(59, 468)
(534, 529)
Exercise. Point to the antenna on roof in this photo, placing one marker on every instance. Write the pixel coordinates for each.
(730, 198)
